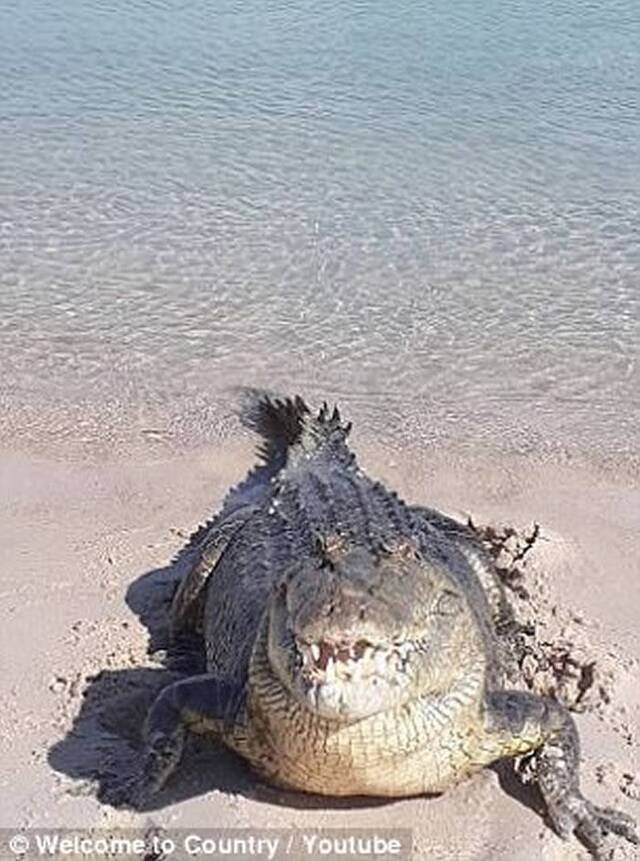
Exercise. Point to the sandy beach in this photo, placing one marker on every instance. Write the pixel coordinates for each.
(86, 557)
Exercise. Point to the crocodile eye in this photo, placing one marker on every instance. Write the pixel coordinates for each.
(448, 604)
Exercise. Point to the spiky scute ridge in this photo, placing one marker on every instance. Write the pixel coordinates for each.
(279, 422)
(289, 431)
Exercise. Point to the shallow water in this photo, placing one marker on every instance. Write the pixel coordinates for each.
(429, 211)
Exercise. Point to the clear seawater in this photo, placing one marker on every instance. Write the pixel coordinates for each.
(426, 210)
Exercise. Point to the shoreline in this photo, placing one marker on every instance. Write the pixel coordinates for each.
(81, 532)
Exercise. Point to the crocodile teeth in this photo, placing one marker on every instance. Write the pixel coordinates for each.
(329, 662)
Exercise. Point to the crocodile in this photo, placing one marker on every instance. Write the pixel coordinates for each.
(351, 640)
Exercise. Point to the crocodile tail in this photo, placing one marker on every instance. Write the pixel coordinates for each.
(287, 426)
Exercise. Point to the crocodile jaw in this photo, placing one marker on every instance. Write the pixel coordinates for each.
(407, 750)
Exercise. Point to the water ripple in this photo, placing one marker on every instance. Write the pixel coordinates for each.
(427, 210)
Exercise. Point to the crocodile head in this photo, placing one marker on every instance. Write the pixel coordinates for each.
(355, 632)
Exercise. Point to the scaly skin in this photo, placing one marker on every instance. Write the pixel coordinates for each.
(350, 640)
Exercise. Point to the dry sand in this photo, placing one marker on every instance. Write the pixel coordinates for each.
(77, 535)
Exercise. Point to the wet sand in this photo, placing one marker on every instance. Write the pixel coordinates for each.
(73, 634)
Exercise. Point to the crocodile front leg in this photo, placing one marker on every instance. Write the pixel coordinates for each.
(187, 604)
(201, 704)
(518, 722)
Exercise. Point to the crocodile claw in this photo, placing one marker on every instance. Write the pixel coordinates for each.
(136, 790)
(591, 824)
